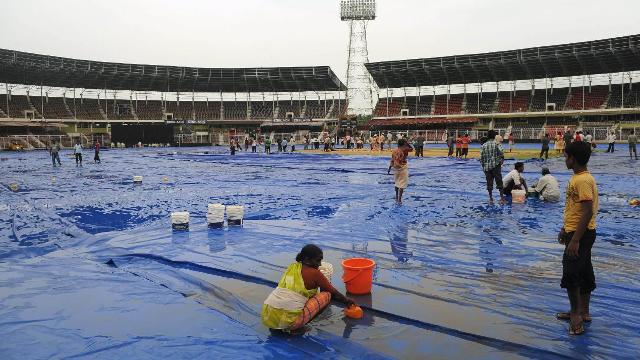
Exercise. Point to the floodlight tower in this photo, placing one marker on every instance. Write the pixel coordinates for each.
(359, 90)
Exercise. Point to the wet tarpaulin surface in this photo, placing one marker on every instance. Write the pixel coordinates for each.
(89, 265)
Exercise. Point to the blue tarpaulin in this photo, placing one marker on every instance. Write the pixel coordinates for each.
(90, 267)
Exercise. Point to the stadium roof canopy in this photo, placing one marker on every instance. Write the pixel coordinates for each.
(613, 55)
(33, 69)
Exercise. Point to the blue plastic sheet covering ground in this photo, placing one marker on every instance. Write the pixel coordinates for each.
(90, 267)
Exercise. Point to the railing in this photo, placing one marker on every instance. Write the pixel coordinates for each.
(519, 134)
(187, 139)
(45, 141)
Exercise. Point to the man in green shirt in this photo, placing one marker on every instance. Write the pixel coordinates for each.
(633, 140)
(267, 145)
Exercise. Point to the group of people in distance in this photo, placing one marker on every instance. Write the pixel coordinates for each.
(54, 152)
(461, 144)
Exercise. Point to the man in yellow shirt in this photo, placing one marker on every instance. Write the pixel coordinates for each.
(578, 235)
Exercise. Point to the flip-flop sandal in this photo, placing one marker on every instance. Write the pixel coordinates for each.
(578, 330)
(567, 316)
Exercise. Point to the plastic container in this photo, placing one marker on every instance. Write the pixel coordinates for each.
(215, 215)
(137, 179)
(518, 196)
(180, 220)
(235, 214)
(358, 275)
(326, 269)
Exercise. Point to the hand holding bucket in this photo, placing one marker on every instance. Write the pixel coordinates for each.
(358, 275)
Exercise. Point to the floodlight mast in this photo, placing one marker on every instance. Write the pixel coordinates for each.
(359, 82)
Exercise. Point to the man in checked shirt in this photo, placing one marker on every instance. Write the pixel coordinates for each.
(491, 158)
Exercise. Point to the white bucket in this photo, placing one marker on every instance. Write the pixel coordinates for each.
(180, 219)
(137, 179)
(235, 214)
(215, 214)
(326, 269)
(518, 196)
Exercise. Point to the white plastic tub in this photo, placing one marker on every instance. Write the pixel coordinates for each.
(180, 220)
(518, 196)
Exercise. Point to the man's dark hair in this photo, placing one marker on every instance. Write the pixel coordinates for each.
(309, 252)
(491, 135)
(518, 165)
(579, 150)
(402, 142)
(545, 171)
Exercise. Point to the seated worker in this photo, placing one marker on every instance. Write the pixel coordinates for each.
(514, 179)
(547, 186)
(296, 300)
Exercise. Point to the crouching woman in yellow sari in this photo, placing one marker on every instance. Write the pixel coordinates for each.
(296, 300)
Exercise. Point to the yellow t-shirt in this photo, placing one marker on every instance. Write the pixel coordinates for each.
(581, 187)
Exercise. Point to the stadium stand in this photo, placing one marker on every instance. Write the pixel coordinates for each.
(338, 109)
(452, 106)
(261, 110)
(510, 102)
(482, 103)
(390, 109)
(54, 107)
(315, 109)
(631, 96)
(149, 109)
(119, 109)
(182, 110)
(18, 104)
(287, 106)
(89, 109)
(585, 98)
(235, 110)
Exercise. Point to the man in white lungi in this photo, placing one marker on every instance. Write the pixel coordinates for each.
(400, 167)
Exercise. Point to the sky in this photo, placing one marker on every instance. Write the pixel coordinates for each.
(255, 33)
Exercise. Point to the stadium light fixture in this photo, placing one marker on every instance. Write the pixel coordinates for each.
(357, 10)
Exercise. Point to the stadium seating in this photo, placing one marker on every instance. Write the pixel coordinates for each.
(631, 96)
(89, 109)
(509, 102)
(315, 109)
(426, 105)
(119, 109)
(148, 109)
(54, 107)
(235, 110)
(182, 110)
(339, 109)
(392, 109)
(418, 105)
(287, 106)
(17, 105)
(593, 99)
(207, 110)
(451, 107)
(261, 110)
(484, 106)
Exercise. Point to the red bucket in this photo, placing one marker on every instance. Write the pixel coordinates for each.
(358, 275)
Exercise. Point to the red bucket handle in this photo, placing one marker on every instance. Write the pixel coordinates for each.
(352, 277)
